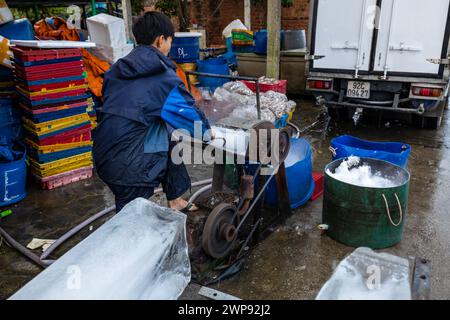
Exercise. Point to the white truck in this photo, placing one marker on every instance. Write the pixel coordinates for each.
(388, 55)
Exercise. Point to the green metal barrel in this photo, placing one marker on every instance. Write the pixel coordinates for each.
(366, 217)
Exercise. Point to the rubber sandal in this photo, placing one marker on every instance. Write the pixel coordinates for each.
(188, 208)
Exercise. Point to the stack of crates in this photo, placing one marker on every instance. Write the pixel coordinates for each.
(53, 95)
(242, 40)
(7, 86)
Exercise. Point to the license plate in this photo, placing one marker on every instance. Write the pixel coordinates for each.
(358, 89)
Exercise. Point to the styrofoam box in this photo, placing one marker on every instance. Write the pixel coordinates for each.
(5, 13)
(107, 30)
(112, 54)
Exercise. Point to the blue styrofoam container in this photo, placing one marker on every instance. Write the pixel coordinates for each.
(20, 29)
(185, 47)
(394, 152)
(13, 176)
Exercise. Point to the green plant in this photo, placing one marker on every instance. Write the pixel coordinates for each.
(168, 7)
(177, 8)
(137, 6)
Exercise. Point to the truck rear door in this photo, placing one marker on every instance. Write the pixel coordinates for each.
(410, 32)
(342, 34)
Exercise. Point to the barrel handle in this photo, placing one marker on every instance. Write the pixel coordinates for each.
(333, 151)
(389, 213)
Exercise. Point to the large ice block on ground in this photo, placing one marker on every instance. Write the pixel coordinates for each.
(140, 253)
(367, 275)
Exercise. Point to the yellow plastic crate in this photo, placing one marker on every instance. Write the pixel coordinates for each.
(57, 147)
(54, 125)
(52, 172)
(45, 91)
(7, 84)
(58, 166)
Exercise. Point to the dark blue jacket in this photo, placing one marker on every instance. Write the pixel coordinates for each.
(143, 98)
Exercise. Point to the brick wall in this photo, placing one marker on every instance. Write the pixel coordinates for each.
(205, 12)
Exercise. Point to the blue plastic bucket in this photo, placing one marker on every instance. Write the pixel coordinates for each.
(261, 42)
(394, 152)
(185, 47)
(214, 66)
(299, 176)
(13, 176)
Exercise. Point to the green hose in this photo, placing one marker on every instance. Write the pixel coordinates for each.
(5, 213)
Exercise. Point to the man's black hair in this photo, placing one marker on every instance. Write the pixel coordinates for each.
(150, 26)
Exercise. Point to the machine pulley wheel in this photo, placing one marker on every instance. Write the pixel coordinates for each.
(285, 144)
(219, 232)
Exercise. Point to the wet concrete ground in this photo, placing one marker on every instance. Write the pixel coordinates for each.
(296, 260)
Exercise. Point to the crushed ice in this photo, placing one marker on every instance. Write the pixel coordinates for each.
(349, 171)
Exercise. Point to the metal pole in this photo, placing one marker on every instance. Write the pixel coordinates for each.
(128, 18)
(258, 101)
(93, 8)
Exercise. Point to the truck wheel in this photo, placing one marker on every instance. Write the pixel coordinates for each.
(338, 113)
(433, 123)
(418, 121)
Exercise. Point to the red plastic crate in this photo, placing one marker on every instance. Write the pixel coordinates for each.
(30, 55)
(319, 185)
(54, 105)
(65, 178)
(49, 68)
(63, 73)
(77, 135)
(47, 109)
(279, 86)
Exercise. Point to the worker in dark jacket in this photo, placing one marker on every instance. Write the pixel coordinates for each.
(144, 101)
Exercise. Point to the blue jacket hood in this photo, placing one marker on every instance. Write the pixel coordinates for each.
(143, 61)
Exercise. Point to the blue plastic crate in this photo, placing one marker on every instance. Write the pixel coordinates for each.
(44, 117)
(44, 62)
(50, 81)
(51, 101)
(58, 155)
